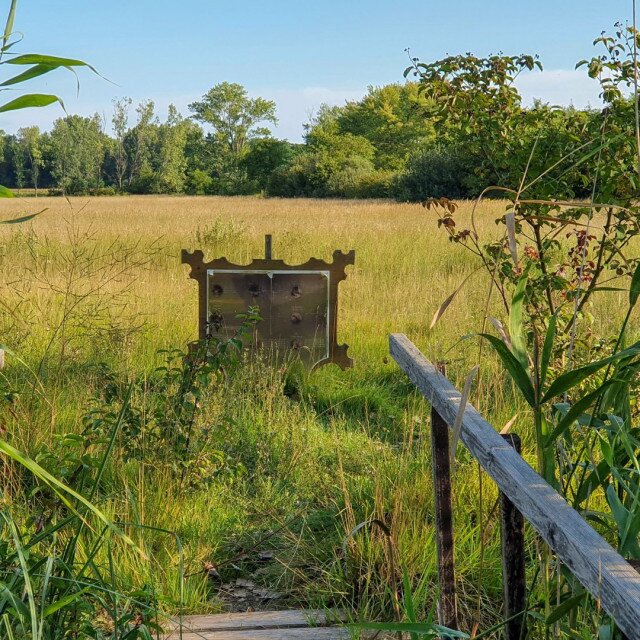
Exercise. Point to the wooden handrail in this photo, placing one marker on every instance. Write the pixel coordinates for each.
(602, 571)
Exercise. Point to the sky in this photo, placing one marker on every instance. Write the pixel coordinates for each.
(298, 53)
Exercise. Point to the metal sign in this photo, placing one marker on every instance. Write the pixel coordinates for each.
(298, 304)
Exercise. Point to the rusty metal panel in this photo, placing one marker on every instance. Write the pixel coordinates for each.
(298, 304)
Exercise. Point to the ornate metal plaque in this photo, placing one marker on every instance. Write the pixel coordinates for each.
(298, 304)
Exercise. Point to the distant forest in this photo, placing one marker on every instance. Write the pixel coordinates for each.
(394, 143)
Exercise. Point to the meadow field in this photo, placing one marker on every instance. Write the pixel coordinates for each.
(93, 291)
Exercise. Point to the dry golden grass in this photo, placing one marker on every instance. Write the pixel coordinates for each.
(404, 267)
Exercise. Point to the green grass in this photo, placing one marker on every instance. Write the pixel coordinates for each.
(305, 457)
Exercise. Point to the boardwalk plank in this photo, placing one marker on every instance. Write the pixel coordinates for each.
(261, 625)
(303, 633)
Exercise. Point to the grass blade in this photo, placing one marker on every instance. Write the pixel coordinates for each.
(25, 574)
(59, 487)
(514, 368)
(8, 27)
(570, 379)
(516, 324)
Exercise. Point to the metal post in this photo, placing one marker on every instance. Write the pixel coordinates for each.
(267, 247)
(441, 462)
(513, 562)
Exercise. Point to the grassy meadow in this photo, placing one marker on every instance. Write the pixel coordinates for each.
(300, 459)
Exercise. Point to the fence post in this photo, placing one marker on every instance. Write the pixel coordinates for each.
(267, 247)
(441, 464)
(513, 562)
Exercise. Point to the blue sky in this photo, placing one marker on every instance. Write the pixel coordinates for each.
(299, 54)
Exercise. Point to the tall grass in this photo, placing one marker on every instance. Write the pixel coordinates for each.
(294, 461)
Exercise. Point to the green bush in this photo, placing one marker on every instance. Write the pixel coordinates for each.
(199, 183)
(436, 172)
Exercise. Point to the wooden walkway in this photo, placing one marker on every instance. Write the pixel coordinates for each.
(261, 625)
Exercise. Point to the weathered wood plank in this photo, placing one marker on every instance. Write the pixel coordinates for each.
(259, 620)
(607, 575)
(299, 633)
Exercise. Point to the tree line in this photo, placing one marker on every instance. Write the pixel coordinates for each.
(396, 142)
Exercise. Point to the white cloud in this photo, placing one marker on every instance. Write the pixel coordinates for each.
(560, 87)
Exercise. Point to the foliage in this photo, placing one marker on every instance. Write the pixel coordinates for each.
(435, 172)
(38, 65)
(53, 581)
(265, 156)
(234, 117)
(77, 148)
(393, 118)
(579, 385)
(163, 421)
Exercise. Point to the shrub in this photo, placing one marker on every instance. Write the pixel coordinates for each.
(436, 172)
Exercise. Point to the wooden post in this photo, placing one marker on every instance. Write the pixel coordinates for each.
(267, 247)
(514, 580)
(441, 463)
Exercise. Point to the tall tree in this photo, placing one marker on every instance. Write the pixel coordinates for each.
(138, 142)
(170, 161)
(76, 152)
(120, 122)
(234, 117)
(29, 139)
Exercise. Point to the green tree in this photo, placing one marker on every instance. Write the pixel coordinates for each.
(393, 118)
(76, 153)
(169, 156)
(138, 143)
(30, 141)
(18, 162)
(120, 122)
(234, 117)
(266, 156)
(334, 163)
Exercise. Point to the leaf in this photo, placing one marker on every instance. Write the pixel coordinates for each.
(26, 218)
(596, 478)
(8, 28)
(444, 306)
(547, 348)
(63, 602)
(618, 511)
(59, 487)
(6, 193)
(508, 425)
(634, 289)
(576, 411)
(570, 379)
(514, 368)
(499, 327)
(28, 588)
(34, 72)
(561, 610)
(30, 100)
(510, 222)
(516, 324)
(51, 61)
(457, 423)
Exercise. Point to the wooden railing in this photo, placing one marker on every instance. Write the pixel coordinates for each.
(601, 570)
